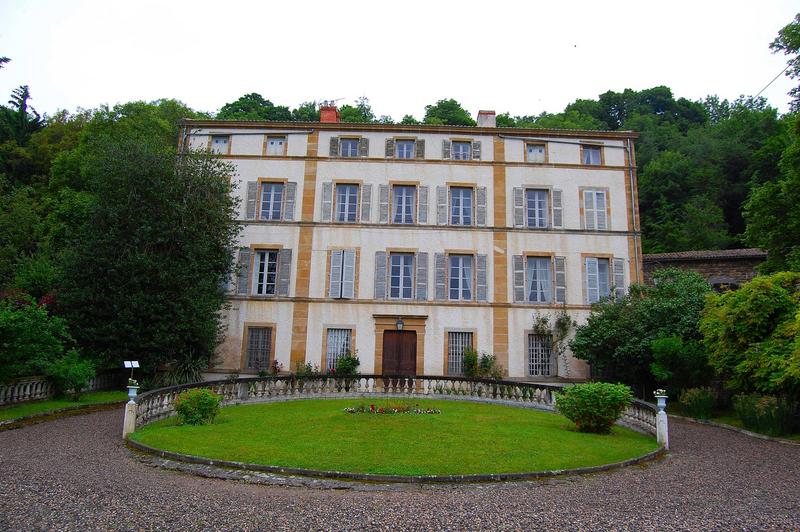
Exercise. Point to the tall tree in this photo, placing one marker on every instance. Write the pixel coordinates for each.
(788, 42)
(449, 112)
(253, 106)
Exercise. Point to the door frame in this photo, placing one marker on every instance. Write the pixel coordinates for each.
(414, 323)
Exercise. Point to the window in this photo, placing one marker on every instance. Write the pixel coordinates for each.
(259, 347)
(536, 207)
(534, 153)
(401, 268)
(276, 145)
(339, 344)
(266, 272)
(597, 279)
(403, 204)
(346, 202)
(591, 154)
(539, 280)
(460, 205)
(343, 274)
(220, 143)
(457, 343)
(348, 147)
(404, 149)
(540, 348)
(594, 210)
(462, 150)
(461, 277)
(271, 201)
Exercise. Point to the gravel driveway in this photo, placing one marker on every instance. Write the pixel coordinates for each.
(75, 474)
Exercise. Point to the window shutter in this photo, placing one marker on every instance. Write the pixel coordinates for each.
(619, 277)
(389, 148)
(334, 151)
(327, 201)
(588, 209)
(519, 207)
(480, 200)
(284, 271)
(335, 284)
(363, 147)
(558, 211)
(419, 152)
(288, 206)
(252, 192)
(380, 275)
(600, 206)
(441, 205)
(591, 281)
(440, 265)
(560, 267)
(476, 150)
(349, 274)
(518, 262)
(446, 149)
(243, 272)
(422, 207)
(480, 278)
(384, 203)
(422, 276)
(366, 202)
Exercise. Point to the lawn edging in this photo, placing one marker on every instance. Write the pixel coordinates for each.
(736, 429)
(78, 410)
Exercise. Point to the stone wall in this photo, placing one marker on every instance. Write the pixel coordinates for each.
(722, 269)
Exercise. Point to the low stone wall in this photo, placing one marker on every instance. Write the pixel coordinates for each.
(38, 387)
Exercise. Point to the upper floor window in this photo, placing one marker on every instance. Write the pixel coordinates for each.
(539, 280)
(343, 274)
(461, 277)
(276, 145)
(346, 202)
(348, 147)
(403, 197)
(271, 201)
(220, 143)
(591, 155)
(404, 149)
(461, 150)
(598, 279)
(266, 274)
(534, 153)
(536, 203)
(461, 205)
(595, 215)
(401, 275)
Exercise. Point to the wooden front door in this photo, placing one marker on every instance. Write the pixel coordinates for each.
(400, 353)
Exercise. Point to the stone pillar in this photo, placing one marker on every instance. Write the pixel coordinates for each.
(662, 423)
(129, 424)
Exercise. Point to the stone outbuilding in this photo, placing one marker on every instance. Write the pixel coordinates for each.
(725, 269)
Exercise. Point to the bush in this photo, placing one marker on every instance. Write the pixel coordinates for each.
(347, 366)
(765, 413)
(70, 374)
(481, 365)
(469, 362)
(594, 406)
(698, 402)
(197, 407)
(306, 370)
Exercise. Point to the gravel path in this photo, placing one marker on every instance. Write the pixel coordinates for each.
(75, 474)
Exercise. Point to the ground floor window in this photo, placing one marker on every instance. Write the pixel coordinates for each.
(539, 351)
(259, 347)
(457, 342)
(339, 344)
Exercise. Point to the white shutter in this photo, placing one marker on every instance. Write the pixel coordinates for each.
(289, 201)
(250, 204)
(480, 201)
(592, 280)
(419, 149)
(441, 205)
(327, 201)
(600, 209)
(619, 277)
(284, 271)
(363, 147)
(481, 278)
(348, 274)
(334, 148)
(440, 267)
(519, 207)
(588, 210)
(518, 262)
(560, 268)
(446, 147)
(380, 275)
(422, 276)
(335, 285)
(383, 192)
(389, 148)
(243, 272)
(422, 206)
(366, 202)
(558, 210)
(476, 150)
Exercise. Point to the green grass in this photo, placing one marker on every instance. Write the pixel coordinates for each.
(466, 438)
(729, 417)
(50, 405)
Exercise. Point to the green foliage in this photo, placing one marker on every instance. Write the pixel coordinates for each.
(753, 335)
(347, 366)
(306, 369)
(197, 407)
(360, 112)
(186, 371)
(448, 112)
(409, 120)
(70, 374)
(765, 414)
(253, 106)
(480, 365)
(788, 42)
(469, 362)
(594, 406)
(698, 402)
(679, 363)
(35, 276)
(306, 112)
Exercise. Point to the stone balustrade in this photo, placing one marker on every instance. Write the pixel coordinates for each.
(36, 388)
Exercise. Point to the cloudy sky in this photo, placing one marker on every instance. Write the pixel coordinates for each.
(522, 57)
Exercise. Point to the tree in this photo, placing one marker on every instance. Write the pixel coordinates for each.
(448, 112)
(306, 112)
(409, 120)
(360, 112)
(788, 42)
(21, 121)
(253, 106)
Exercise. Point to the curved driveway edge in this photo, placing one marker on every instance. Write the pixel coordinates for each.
(736, 429)
(24, 421)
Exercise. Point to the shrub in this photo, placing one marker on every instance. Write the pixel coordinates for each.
(347, 366)
(70, 374)
(469, 362)
(594, 406)
(481, 365)
(765, 413)
(306, 370)
(197, 407)
(698, 402)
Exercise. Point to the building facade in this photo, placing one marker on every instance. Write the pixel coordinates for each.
(406, 244)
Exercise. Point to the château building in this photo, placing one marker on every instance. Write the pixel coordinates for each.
(405, 244)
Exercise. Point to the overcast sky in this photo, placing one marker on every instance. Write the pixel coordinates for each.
(522, 57)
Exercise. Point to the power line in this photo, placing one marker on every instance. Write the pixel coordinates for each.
(773, 81)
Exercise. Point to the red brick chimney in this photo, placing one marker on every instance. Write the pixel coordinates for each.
(328, 112)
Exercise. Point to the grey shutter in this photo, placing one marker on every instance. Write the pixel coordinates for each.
(558, 210)
(380, 275)
(389, 148)
(601, 210)
(518, 262)
(383, 191)
(519, 207)
(588, 209)
(335, 284)
(441, 205)
(363, 147)
(476, 150)
(481, 277)
(591, 280)
(422, 276)
(284, 271)
(480, 201)
(327, 201)
(619, 277)
(348, 274)
(366, 202)
(560, 267)
(252, 192)
(440, 265)
(243, 272)
(446, 149)
(288, 206)
(334, 150)
(419, 151)
(422, 207)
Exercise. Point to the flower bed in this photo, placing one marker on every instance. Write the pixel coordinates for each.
(391, 409)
